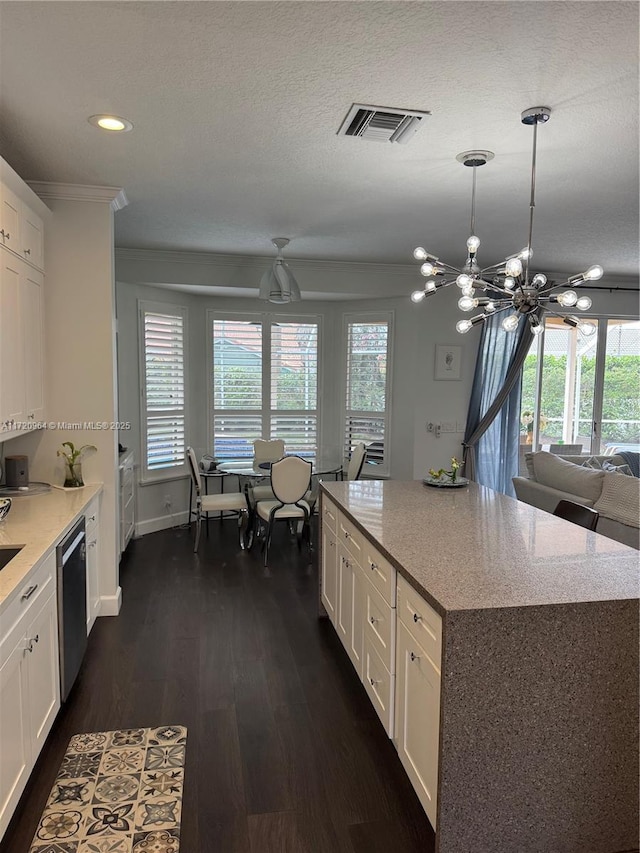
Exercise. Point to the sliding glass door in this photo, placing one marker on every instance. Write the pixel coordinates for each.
(582, 394)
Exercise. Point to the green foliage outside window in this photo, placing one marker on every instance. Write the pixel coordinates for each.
(621, 391)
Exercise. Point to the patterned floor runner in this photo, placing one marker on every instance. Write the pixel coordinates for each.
(116, 792)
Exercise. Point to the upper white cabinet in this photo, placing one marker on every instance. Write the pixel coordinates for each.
(21, 305)
(21, 228)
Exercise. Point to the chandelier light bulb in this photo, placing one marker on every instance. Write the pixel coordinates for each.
(509, 283)
(467, 303)
(537, 330)
(593, 273)
(539, 279)
(525, 253)
(463, 326)
(490, 307)
(587, 329)
(418, 295)
(514, 267)
(427, 269)
(464, 280)
(473, 243)
(567, 298)
(584, 303)
(510, 323)
(430, 286)
(468, 290)
(420, 254)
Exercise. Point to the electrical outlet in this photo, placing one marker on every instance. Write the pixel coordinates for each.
(448, 426)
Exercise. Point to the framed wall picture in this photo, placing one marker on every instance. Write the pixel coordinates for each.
(448, 361)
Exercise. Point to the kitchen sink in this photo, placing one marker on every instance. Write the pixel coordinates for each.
(7, 554)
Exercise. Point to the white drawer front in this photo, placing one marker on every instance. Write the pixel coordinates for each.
(421, 621)
(380, 626)
(350, 537)
(380, 572)
(329, 514)
(379, 684)
(39, 585)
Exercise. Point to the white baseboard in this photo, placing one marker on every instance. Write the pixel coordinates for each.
(162, 522)
(110, 604)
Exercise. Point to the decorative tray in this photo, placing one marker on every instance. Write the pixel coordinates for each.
(446, 484)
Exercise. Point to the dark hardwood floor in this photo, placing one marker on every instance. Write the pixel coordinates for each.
(285, 753)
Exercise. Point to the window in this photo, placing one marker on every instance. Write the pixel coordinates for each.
(265, 383)
(368, 386)
(162, 334)
(583, 391)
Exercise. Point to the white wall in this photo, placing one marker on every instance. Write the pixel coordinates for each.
(80, 363)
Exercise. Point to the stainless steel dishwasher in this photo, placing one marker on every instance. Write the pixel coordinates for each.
(71, 560)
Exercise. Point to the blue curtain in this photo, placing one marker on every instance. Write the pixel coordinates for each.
(492, 437)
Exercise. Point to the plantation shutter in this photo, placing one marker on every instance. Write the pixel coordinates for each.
(164, 389)
(237, 387)
(294, 386)
(367, 389)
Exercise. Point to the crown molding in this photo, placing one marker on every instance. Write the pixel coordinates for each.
(260, 261)
(113, 196)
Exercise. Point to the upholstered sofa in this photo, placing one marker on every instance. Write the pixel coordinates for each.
(615, 496)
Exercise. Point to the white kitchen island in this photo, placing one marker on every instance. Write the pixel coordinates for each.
(499, 646)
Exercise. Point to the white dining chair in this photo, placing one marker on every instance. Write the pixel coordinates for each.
(236, 501)
(356, 463)
(290, 480)
(265, 450)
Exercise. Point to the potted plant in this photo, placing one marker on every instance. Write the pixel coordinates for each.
(73, 464)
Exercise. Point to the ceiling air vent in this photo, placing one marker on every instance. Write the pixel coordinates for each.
(381, 124)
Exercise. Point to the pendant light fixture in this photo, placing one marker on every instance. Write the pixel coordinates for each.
(509, 286)
(278, 283)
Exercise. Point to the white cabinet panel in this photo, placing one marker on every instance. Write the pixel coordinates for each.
(329, 572)
(15, 745)
(10, 208)
(43, 673)
(32, 301)
(12, 398)
(379, 684)
(418, 718)
(32, 237)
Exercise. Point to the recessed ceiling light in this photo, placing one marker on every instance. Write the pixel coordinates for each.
(112, 123)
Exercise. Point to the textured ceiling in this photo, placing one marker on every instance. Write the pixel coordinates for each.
(236, 107)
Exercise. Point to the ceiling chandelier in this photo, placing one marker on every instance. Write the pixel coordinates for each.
(507, 286)
(278, 283)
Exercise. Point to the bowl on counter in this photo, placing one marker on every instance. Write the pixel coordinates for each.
(5, 506)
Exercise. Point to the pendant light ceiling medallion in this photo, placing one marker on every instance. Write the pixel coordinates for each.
(508, 285)
(278, 283)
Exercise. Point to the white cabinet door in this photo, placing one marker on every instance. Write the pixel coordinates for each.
(357, 620)
(32, 237)
(418, 718)
(43, 673)
(329, 572)
(10, 207)
(15, 745)
(93, 581)
(31, 310)
(344, 613)
(11, 341)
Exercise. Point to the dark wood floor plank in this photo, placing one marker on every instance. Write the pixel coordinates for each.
(284, 749)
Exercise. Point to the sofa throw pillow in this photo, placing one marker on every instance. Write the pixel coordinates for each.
(557, 473)
(620, 499)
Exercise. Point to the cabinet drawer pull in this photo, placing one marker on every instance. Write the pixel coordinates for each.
(92, 518)
(372, 682)
(413, 657)
(347, 564)
(36, 639)
(27, 251)
(5, 234)
(372, 619)
(29, 592)
(416, 617)
(92, 544)
(374, 566)
(346, 535)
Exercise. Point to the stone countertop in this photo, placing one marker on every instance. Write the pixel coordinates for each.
(37, 522)
(471, 548)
